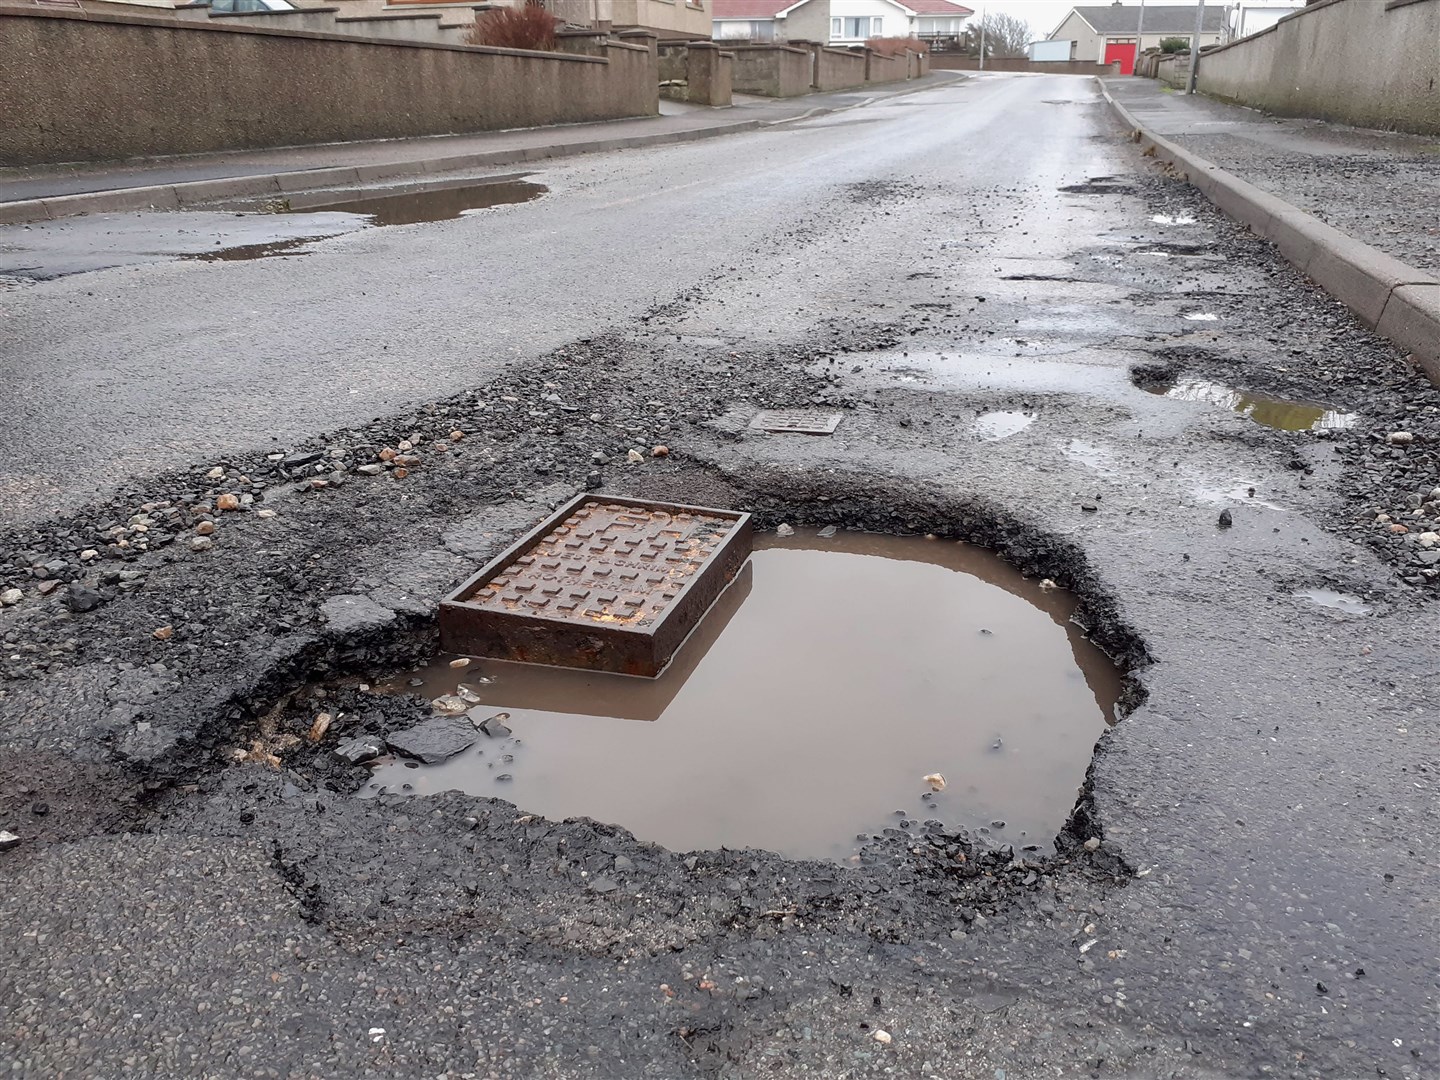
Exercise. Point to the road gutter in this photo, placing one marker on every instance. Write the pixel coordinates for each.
(1391, 297)
(199, 192)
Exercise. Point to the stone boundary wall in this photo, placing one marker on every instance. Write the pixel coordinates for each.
(948, 62)
(771, 70)
(1173, 69)
(831, 67)
(881, 68)
(700, 72)
(82, 86)
(837, 69)
(1364, 62)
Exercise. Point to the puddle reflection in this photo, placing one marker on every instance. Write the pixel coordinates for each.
(1270, 411)
(808, 707)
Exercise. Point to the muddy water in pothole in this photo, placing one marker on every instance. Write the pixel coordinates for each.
(831, 678)
(1270, 411)
(415, 205)
(328, 214)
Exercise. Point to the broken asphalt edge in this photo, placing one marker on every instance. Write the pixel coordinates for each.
(198, 192)
(1391, 297)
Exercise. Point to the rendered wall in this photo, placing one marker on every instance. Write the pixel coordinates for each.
(1173, 70)
(695, 71)
(838, 69)
(80, 86)
(771, 70)
(1372, 63)
(881, 68)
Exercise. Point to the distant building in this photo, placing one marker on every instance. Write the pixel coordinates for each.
(1243, 18)
(1102, 34)
(1049, 50)
(837, 22)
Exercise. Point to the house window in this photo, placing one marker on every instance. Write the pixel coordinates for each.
(758, 30)
(856, 29)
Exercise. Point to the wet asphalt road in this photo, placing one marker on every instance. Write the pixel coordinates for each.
(1271, 798)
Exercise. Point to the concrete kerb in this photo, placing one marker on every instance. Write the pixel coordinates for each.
(1398, 301)
(179, 196)
(194, 193)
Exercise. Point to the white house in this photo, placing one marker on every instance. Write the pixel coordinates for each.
(1102, 34)
(836, 22)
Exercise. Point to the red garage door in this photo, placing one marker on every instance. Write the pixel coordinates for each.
(1124, 53)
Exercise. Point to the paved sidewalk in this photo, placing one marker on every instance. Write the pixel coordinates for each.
(1382, 188)
(677, 122)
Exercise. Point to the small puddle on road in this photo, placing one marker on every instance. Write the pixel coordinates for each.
(417, 205)
(334, 216)
(254, 251)
(993, 426)
(1270, 411)
(828, 682)
(1339, 601)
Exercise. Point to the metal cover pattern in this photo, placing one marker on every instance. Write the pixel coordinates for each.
(607, 563)
(800, 421)
(606, 583)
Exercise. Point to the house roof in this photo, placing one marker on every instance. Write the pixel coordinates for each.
(769, 9)
(1159, 18)
(936, 7)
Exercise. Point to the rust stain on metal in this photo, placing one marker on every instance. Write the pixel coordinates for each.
(800, 421)
(607, 583)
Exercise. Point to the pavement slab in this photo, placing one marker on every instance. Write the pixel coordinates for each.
(1381, 187)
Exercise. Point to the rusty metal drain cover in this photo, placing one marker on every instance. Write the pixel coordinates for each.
(801, 421)
(606, 583)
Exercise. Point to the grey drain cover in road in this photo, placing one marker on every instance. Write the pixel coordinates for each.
(801, 421)
(607, 583)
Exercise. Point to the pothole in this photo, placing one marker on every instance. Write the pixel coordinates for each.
(831, 679)
(330, 213)
(1100, 185)
(1283, 413)
(414, 205)
(1183, 250)
(246, 252)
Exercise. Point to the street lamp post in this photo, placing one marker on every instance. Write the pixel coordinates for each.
(1195, 46)
(982, 37)
(1139, 38)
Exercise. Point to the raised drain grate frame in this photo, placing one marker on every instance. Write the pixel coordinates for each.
(796, 421)
(605, 583)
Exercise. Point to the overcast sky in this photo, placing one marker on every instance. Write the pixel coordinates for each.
(1042, 15)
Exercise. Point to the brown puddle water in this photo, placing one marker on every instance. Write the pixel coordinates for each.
(827, 682)
(416, 205)
(1270, 411)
